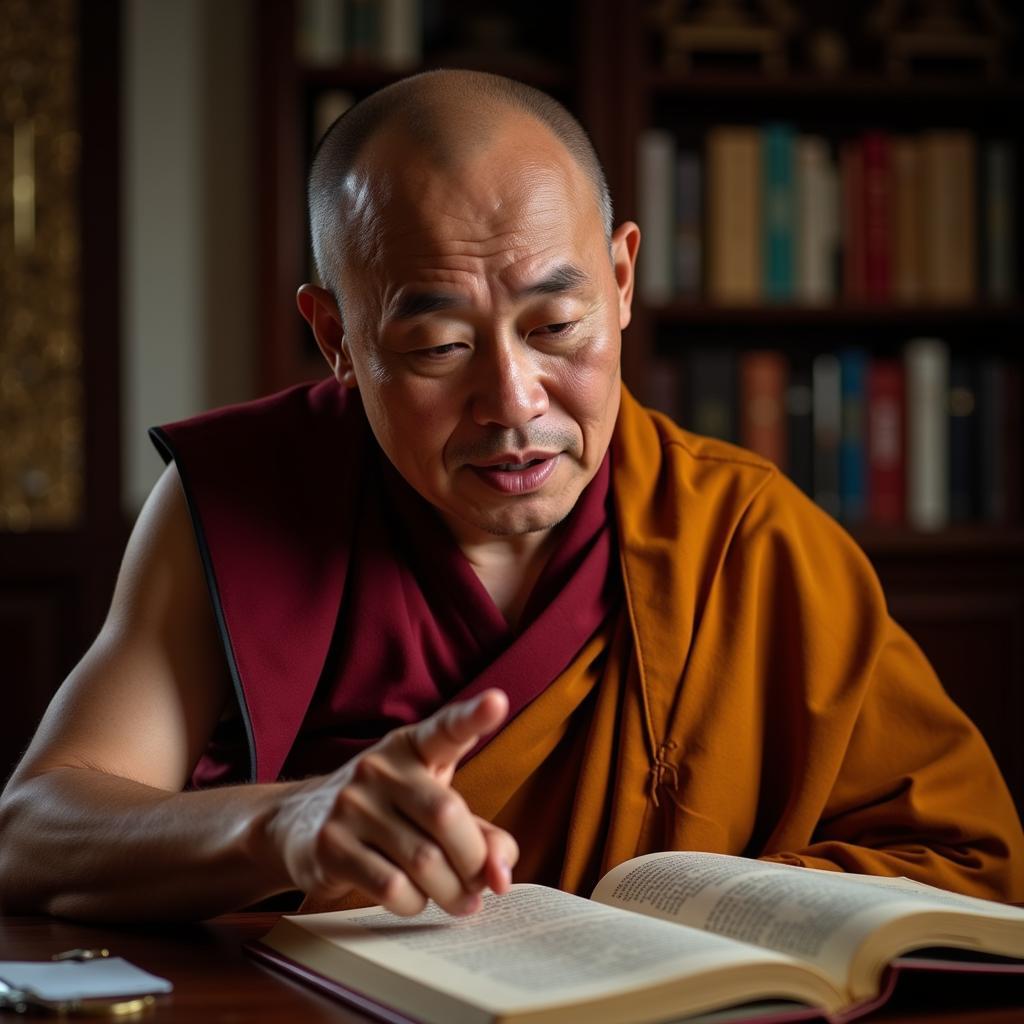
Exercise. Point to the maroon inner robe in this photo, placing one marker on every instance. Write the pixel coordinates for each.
(345, 605)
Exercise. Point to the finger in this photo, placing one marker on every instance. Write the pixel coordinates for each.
(502, 855)
(442, 815)
(422, 860)
(453, 731)
(346, 863)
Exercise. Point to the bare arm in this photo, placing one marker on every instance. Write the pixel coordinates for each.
(94, 821)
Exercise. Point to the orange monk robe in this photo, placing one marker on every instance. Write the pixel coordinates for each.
(752, 697)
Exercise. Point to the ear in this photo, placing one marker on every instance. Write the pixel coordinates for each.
(625, 243)
(321, 312)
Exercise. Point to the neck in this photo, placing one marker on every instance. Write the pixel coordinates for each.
(508, 567)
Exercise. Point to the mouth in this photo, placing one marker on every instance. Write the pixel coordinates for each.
(517, 474)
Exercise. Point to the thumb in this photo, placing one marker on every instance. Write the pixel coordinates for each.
(454, 730)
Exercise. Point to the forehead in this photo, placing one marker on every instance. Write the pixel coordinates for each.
(505, 203)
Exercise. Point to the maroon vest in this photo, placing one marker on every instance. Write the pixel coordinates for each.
(343, 602)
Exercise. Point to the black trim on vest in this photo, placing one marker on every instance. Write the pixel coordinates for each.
(166, 449)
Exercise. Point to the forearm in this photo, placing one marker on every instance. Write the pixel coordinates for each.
(84, 844)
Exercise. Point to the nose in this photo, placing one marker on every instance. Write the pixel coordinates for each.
(508, 390)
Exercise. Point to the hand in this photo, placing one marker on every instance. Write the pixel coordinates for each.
(389, 824)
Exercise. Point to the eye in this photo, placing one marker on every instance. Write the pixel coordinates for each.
(439, 351)
(558, 330)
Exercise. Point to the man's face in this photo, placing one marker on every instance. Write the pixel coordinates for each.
(483, 323)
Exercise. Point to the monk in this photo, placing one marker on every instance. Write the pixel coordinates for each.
(465, 606)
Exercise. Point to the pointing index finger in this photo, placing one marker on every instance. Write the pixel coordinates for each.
(444, 737)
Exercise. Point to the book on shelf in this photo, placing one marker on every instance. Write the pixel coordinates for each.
(851, 164)
(817, 222)
(876, 208)
(853, 483)
(998, 211)
(656, 170)
(711, 405)
(927, 366)
(827, 406)
(963, 444)
(800, 425)
(949, 222)
(384, 32)
(907, 212)
(734, 200)
(763, 377)
(778, 212)
(885, 436)
(689, 251)
(667, 935)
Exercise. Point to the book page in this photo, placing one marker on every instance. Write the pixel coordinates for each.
(533, 947)
(818, 916)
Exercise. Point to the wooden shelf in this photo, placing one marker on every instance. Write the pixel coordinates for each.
(966, 540)
(855, 88)
(869, 314)
(367, 77)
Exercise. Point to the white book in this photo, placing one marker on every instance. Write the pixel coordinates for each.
(656, 178)
(817, 221)
(927, 369)
(401, 34)
(321, 32)
(827, 414)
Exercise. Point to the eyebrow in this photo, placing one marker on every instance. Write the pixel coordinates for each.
(565, 278)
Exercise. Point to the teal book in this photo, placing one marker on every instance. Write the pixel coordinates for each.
(853, 463)
(779, 212)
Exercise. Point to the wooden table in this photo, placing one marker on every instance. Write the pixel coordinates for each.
(216, 983)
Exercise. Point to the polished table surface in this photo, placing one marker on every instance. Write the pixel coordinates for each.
(215, 982)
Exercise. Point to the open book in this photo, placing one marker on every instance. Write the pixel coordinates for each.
(664, 936)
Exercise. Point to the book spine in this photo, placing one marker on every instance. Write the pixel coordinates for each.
(827, 402)
(321, 38)
(999, 219)
(733, 161)
(688, 254)
(927, 369)
(664, 387)
(711, 393)
(852, 171)
(852, 448)
(800, 426)
(885, 442)
(656, 175)
(963, 421)
(906, 218)
(877, 218)
(778, 212)
(401, 34)
(992, 422)
(816, 222)
(763, 405)
(948, 192)
(363, 29)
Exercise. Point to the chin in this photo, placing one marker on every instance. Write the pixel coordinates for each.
(514, 522)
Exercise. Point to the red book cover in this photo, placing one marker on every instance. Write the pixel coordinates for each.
(886, 433)
(763, 377)
(877, 199)
(851, 166)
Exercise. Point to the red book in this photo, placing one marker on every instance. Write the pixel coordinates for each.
(851, 167)
(877, 199)
(763, 377)
(886, 442)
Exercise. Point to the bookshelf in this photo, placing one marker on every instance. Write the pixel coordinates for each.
(959, 589)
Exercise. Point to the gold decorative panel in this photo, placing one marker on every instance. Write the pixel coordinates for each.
(41, 404)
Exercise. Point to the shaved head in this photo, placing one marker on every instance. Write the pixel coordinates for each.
(444, 117)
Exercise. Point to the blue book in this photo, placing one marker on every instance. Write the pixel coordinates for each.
(778, 212)
(853, 490)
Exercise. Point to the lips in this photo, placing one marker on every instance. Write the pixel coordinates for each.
(517, 474)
